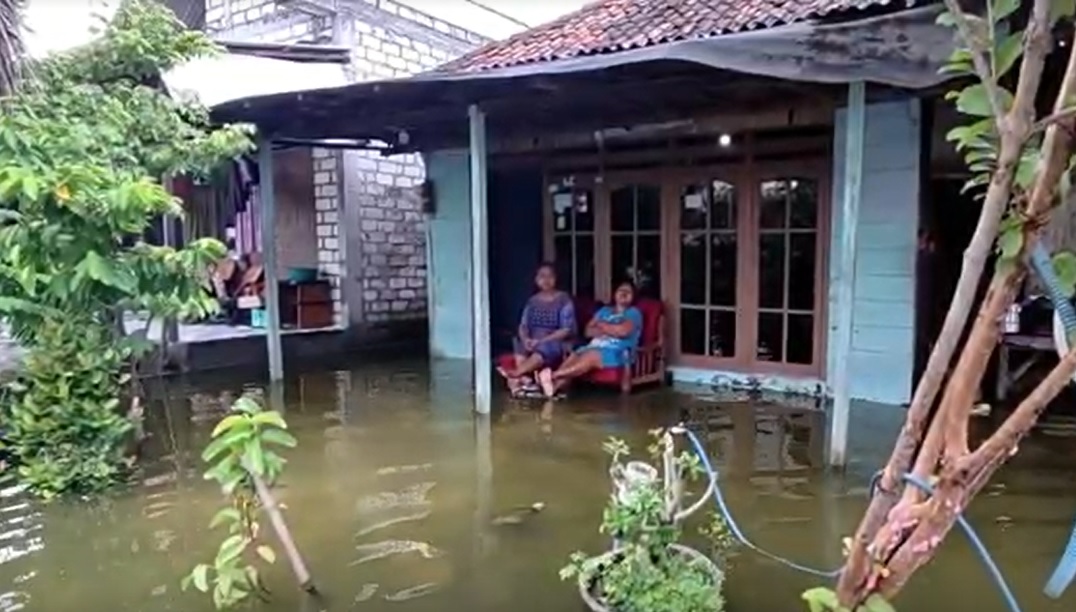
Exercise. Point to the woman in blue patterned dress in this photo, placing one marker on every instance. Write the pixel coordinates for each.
(614, 336)
(546, 330)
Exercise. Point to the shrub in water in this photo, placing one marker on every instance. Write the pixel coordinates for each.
(241, 453)
(63, 424)
(648, 571)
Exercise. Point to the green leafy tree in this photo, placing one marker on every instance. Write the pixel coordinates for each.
(1020, 162)
(84, 146)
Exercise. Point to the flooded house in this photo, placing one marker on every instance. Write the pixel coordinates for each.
(777, 178)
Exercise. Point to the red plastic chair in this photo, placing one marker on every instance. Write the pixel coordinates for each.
(648, 367)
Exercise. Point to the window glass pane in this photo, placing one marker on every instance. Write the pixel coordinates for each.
(693, 268)
(771, 273)
(803, 203)
(648, 208)
(801, 271)
(722, 269)
(772, 207)
(800, 339)
(722, 205)
(722, 333)
(694, 206)
(771, 337)
(622, 209)
(648, 265)
(584, 210)
(584, 266)
(562, 256)
(622, 259)
(693, 331)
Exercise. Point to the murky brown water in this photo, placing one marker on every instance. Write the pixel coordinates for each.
(394, 487)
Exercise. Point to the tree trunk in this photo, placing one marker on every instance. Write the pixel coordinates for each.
(11, 46)
(902, 531)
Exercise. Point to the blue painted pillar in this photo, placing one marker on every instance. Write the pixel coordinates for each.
(846, 276)
(267, 210)
(480, 311)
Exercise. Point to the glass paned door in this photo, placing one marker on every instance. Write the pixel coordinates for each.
(709, 257)
(573, 239)
(635, 237)
(788, 271)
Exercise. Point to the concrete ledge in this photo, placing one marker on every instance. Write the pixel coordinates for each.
(249, 351)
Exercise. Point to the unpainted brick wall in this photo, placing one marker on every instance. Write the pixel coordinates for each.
(369, 224)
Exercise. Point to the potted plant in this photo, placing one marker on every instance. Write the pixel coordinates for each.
(648, 569)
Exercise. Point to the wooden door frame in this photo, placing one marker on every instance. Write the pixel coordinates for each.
(735, 174)
(819, 170)
(744, 175)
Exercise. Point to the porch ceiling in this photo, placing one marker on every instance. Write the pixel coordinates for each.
(434, 113)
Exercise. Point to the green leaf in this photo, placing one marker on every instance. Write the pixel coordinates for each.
(1010, 242)
(821, 599)
(270, 417)
(200, 577)
(229, 422)
(877, 603)
(1009, 49)
(1062, 9)
(1065, 268)
(232, 440)
(254, 458)
(225, 515)
(1027, 168)
(230, 549)
(974, 100)
(266, 554)
(104, 271)
(279, 437)
(1000, 9)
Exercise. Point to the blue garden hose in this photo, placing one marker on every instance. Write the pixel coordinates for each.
(1065, 572)
(723, 508)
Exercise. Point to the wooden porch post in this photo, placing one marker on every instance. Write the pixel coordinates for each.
(480, 332)
(846, 277)
(267, 204)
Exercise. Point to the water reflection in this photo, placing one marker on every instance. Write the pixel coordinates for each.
(401, 500)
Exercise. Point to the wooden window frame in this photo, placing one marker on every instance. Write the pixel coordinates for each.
(818, 171)
(746, 176)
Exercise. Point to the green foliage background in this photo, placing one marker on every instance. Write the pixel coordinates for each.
(84, 146)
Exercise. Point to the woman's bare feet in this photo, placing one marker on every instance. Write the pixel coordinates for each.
(545, 379)
(512, 380)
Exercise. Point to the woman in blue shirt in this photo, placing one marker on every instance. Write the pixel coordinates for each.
(614, 335)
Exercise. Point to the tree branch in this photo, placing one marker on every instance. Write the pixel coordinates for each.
(982, 463)
(1014, 130)
(1056, 117)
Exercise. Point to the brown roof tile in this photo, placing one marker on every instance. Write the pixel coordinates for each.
(608, 26)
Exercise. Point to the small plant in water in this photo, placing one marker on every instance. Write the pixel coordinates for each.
(648, 570)
(241, 455)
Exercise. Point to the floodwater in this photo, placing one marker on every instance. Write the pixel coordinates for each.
(394, 492)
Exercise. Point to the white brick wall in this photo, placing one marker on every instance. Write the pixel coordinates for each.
(370, 227)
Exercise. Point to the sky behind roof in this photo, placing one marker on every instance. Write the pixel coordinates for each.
(59, 24)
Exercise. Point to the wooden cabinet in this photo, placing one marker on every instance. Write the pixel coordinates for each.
(306, 305)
